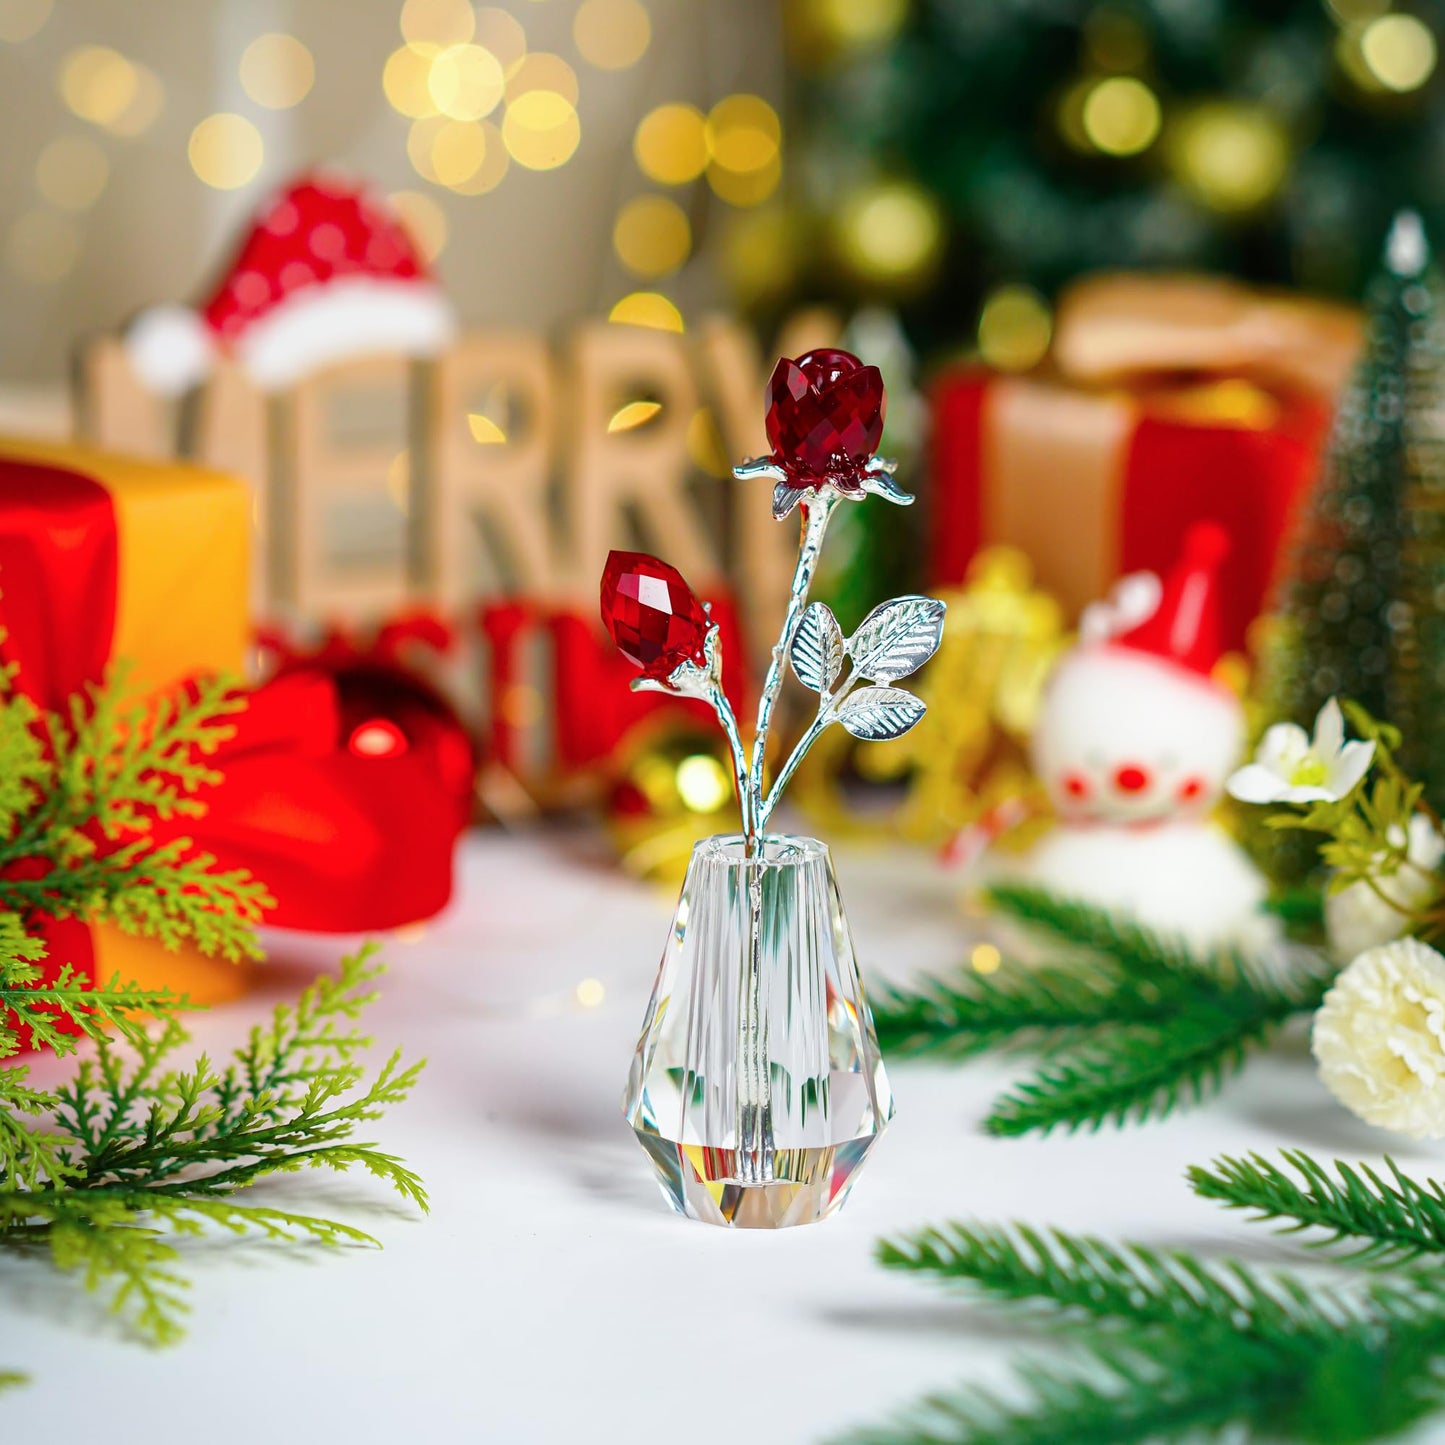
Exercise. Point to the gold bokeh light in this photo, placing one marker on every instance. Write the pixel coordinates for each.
(71, 172)
(1399, 51)
(225, 150)
(1121, 116)
(406, 80)
(466, 82)
(744, 139)
(458, 148)
(540, 129)
(744, 133)
(633, 414)
(702, 783)
(1014, 328)
(277, 71)
(493, 169)
(502, 34)
(20, 19)
(145, 105)
(646, 308)
(671, 144)
(542, 70)
(651, 235)
(611, 34)
(1230, 155)
(890, 234)
(98, 83)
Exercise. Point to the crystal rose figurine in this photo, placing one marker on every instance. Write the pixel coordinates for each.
(757, 1089)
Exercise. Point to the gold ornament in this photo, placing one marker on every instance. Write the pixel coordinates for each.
(982, 693)
(672, 787)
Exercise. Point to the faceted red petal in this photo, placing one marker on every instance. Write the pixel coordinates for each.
(652, 614)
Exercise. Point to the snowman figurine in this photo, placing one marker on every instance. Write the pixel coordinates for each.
(1134, 741)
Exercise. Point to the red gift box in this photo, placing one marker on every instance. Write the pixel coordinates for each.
(1165, 402)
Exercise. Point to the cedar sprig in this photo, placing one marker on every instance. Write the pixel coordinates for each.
(107, 1174)
(149, 1153)
(1379, 1220)
(82, 792)
(1176, 1347)
(1132, 1026)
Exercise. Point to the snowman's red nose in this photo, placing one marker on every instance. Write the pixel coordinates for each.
(1131, 778)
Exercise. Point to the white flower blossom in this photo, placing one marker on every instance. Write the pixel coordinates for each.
(1291, 767)
(1379, 1038)
(1358, 917)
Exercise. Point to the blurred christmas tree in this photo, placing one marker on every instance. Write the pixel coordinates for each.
(965, 158)
(1363, 608)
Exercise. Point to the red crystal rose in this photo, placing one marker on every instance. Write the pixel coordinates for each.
(824, 422)
(825, 413)
(652, 614)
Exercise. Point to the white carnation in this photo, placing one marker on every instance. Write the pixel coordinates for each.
(1379, 1038)
(1357, 917)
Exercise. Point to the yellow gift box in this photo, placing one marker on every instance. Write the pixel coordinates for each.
(108, 559)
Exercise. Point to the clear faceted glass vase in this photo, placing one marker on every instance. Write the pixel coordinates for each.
(757, 1088)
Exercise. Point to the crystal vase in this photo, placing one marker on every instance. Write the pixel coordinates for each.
(757, 1088)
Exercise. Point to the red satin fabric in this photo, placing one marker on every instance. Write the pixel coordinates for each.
(345, 843)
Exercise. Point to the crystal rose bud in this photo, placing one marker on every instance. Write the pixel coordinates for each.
(652, 614)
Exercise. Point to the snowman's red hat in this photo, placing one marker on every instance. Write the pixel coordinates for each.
(327, 272)
(1185, 627)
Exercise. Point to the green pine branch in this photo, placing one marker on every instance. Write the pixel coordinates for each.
(1175, 1347)
(1133, 1026)
(958, 1018)
(1383, 1221)
(1118, 1394)
(1136, 1286)
(1141, 1072)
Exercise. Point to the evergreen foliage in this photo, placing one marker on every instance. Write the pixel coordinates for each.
(1130, 1025)
(1382, 1221)
(1180, 1348)
(982, 105)
(1359, 613)
(140, 1148)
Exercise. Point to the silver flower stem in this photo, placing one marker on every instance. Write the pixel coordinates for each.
(723, 708)
(827, 715)
(755, 1151)
(816, 512)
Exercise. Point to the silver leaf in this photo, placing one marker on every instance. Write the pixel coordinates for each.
(817, 648)
(897, 638)
(878, 713)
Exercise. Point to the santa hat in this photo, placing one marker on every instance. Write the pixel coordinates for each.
(326, 273)
(1184, 628)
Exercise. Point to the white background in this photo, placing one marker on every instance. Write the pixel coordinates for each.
(550, 1296)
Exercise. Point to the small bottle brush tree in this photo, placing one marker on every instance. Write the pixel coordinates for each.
(824, 421)
(1361, 612)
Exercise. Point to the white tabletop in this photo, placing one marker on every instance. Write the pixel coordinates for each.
(551, 1296)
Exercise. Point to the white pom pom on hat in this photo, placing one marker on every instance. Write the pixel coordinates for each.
(171, 348)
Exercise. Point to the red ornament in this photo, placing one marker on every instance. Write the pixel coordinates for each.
(825, 415)
(652, 614)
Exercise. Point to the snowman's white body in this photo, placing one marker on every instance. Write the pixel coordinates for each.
(1134, 750)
